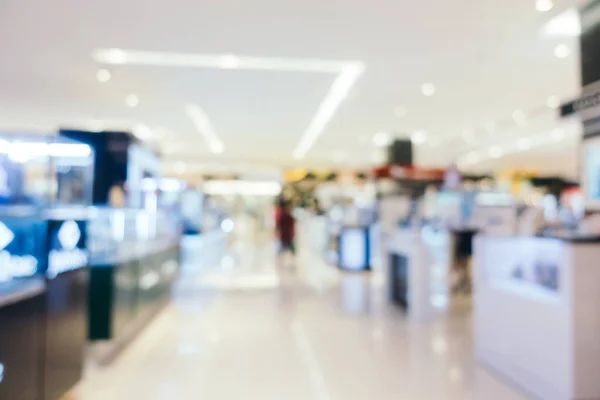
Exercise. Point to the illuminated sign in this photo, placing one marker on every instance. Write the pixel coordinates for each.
(67, 247)
(13, 265)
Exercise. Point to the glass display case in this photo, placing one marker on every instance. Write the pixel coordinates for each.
(124, 233)
(45, 171)
(45, 188)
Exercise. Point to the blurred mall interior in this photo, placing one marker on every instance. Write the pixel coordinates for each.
(300, 200)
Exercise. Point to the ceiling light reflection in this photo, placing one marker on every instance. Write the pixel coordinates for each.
(103, 75)
(544, 5)
(132, 100)
(428, 89)
(382, 139)
(562, 51)
(496, 152)
(419, 137)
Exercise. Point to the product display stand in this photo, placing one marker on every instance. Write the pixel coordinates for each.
(537, 313)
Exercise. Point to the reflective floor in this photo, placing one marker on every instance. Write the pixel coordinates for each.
(248, 329)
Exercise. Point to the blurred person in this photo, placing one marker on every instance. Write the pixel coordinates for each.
(286, 225)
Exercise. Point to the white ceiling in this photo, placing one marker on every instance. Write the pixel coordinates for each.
(486, 58)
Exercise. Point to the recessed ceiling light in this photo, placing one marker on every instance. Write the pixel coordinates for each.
(567, 23)
(496, 152)
(544, 5)
(419, 137)
(553, 102)
(562, 51)
(400, 111)
(382, 139)
(519, 117)
(229, 62)
(132, 100)
(142, 131)
(103, 75)
(523, 144)
(428, 89)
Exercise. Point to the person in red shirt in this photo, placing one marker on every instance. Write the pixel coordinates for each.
(286, 226)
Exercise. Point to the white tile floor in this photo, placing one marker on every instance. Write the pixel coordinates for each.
(251, 331)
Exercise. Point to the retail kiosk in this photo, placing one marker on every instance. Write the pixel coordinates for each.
(45, 188)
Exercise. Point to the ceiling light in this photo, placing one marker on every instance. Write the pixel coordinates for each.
(110, 56)
(399, 111)
(566, 24)
(558, 134)
(496, 152)
(103, 75)
(544, 5)
(203, 125)
(428, 89)
(419, 137)
(229, 62)
(132, 100)
(382, 139)
(523, 144)
(562, 51)
(142, 131)
(519, 117)
(553, 102)
(337, 93)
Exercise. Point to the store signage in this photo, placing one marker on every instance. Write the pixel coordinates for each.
(12, 265)
(67, 247)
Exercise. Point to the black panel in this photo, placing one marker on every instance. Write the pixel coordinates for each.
(400, 152)
(590, 44)
(21, 337)
(66, 331)
(110, 161)
(399, 276)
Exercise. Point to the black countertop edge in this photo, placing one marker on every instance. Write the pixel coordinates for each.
(14, 291)
(573, 238)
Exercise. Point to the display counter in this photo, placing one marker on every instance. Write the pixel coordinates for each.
(417, 270)
(22, 324)
(127, 290)
(536, 313)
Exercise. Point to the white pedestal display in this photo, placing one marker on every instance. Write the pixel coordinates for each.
(417, 271)
(537, 314)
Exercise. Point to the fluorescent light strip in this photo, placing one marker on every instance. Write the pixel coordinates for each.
(337, 93)
(203, 125)
(348, 72)
(224, 61)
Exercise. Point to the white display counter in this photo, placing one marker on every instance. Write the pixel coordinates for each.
(417, 270)
(537, 313)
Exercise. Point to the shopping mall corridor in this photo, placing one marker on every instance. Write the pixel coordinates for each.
(248, 329)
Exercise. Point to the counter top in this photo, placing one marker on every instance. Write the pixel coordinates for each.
(130, 253)
(17, 290)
